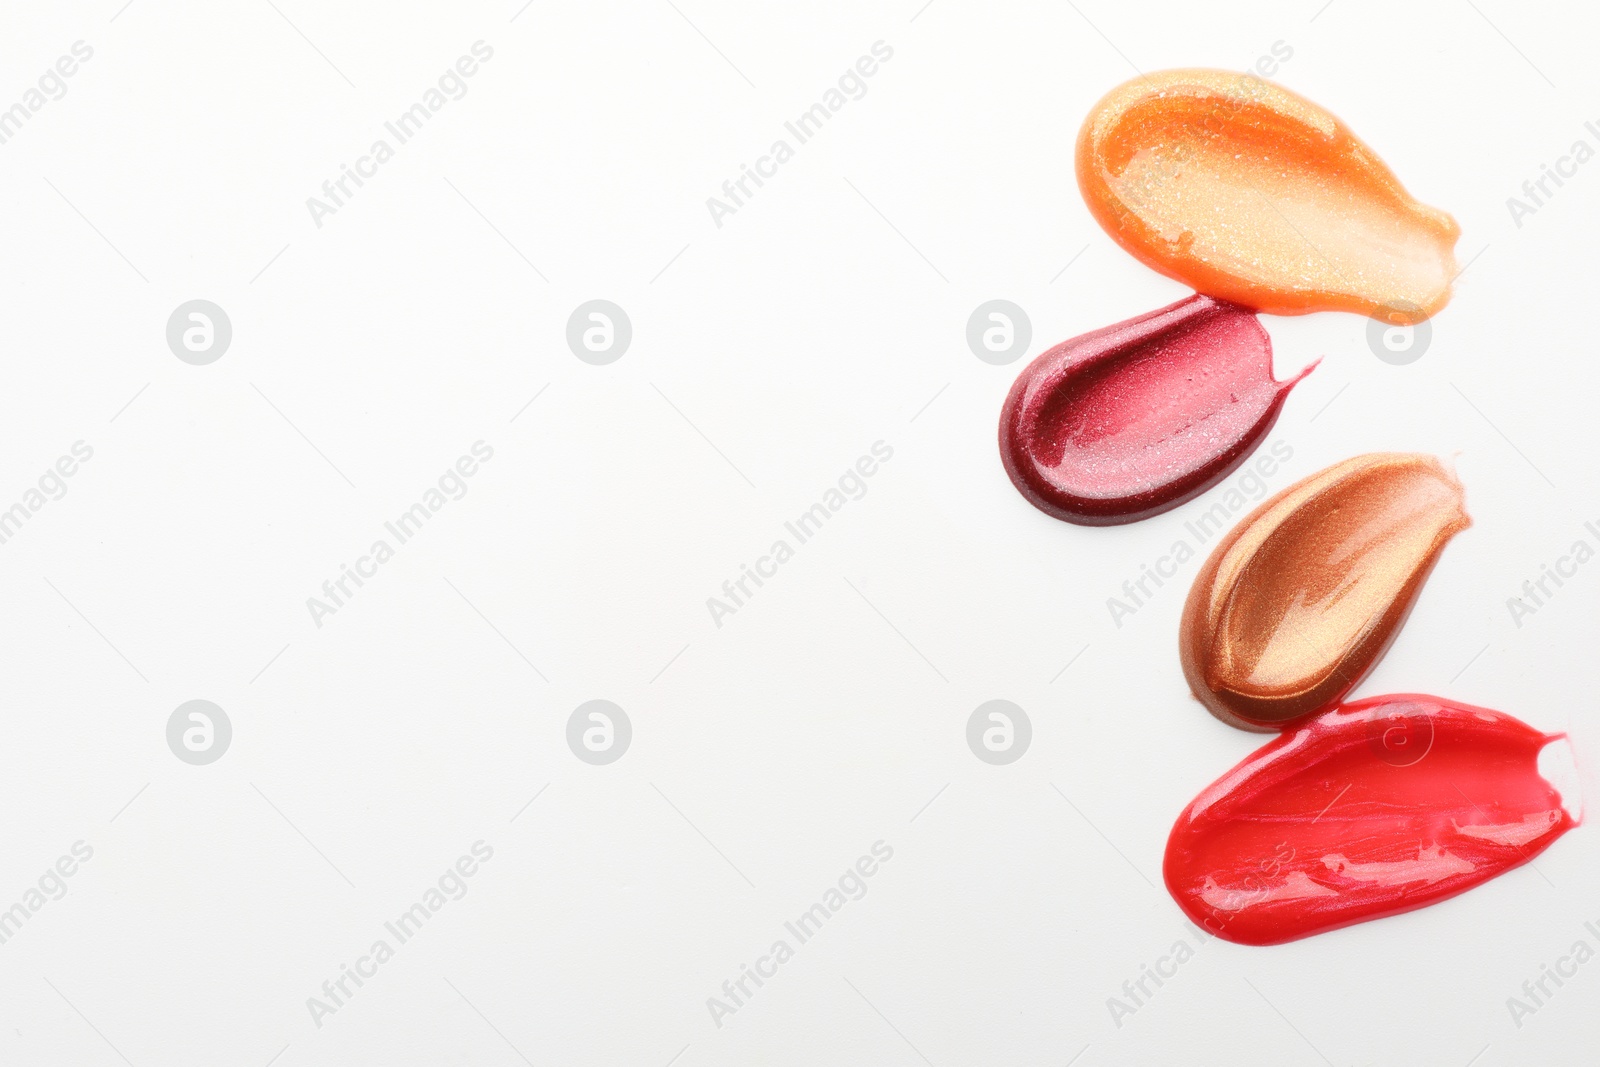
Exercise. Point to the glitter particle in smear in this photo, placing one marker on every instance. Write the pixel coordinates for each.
(1245, 191)
(1299, 601)
(1375, 808)
(1136, 418)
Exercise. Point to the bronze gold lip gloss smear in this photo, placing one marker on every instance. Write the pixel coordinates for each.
(1299, 601)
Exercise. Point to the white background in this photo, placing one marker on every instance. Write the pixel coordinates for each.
(768, 354)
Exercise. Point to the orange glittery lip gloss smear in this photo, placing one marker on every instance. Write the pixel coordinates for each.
(1299, 601)
(1247, 192)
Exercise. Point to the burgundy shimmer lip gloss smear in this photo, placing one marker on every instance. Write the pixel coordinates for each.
(1134, 419)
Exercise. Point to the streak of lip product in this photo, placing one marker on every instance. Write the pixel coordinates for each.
(1248, 192)
(1374, 808)
(1136, 418)
(1262, 201)
(1299, 601)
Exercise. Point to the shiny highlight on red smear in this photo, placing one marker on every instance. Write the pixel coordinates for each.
(1374, 808)
(1134, 419)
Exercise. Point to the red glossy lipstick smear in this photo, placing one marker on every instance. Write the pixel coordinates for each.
(1134, 419)
(1374, 808)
